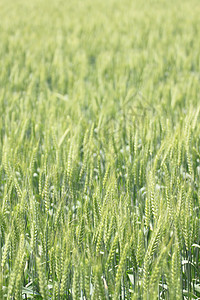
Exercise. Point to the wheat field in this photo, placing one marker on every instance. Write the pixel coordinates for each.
(99, 149)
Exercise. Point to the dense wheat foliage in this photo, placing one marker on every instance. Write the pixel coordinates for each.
(99, 149)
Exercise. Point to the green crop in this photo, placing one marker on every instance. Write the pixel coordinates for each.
(99, 149)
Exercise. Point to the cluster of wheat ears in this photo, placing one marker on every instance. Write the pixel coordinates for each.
(99, 149)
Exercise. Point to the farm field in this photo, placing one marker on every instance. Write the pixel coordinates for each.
(99, 149)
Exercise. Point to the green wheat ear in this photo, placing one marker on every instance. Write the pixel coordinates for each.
(42, 279)
(76, 289)
(120, 269)
(5, 251)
